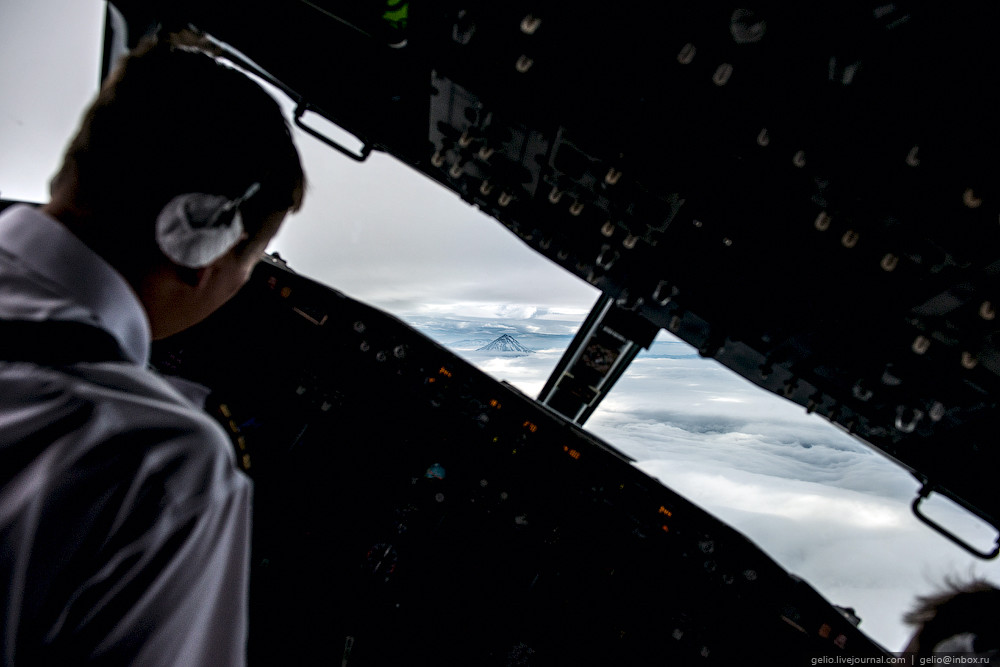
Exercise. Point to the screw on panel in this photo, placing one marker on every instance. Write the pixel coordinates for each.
(969, 361)
(686, 54)
(937, 411)
(505, 198)
(608, 228)
(970, 199)
(529, 24)
(907, 419)
(456, 170)
(763, 138)
(746, 26)
(523, 64)
(850, 238)
(606, 258)
(911, 157)
(485, 152)
(437, 159)
(576, 208)
(862, 392)
(987, 311)
(722, 74)
(921, 344)
(889, 262)
(822, 222)
(630, 241)
(799, 159)
(485, 188)
(612, 177)
(465, 140)
(727, 242)
(664, 293)
(555, 195)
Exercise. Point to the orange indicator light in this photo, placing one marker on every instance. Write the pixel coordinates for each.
(664, 511)
(286, 292)
(666, 528)
(824, 631)
(530, 426)
(495, 403)
(445, 372)
(246, 461)
(573, 454)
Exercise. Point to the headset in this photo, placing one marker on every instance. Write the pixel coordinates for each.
(195, 229)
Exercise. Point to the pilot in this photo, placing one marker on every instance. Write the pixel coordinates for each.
(124, 522)
(962, 620)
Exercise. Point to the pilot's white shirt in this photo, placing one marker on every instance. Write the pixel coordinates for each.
(124, 523)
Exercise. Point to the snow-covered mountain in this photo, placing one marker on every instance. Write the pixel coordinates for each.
(505, 343)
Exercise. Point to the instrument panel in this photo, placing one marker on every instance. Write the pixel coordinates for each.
(410, 509)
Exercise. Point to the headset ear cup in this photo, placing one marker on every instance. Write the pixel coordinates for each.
(195, 229)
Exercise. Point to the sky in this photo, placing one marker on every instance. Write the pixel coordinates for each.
(822, 504)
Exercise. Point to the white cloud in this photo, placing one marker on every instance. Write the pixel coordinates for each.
(823, 505)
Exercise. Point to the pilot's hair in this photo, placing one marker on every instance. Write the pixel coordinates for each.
(971, 607)
(172, 119)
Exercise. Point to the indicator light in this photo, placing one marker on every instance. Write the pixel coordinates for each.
(530, 426)
(445, 372)
(246, 461)
(494, 403)
(664, 511)
(665, 528)
(286, 292)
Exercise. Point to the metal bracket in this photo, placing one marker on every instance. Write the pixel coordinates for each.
(302, 107)
(926, 491)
